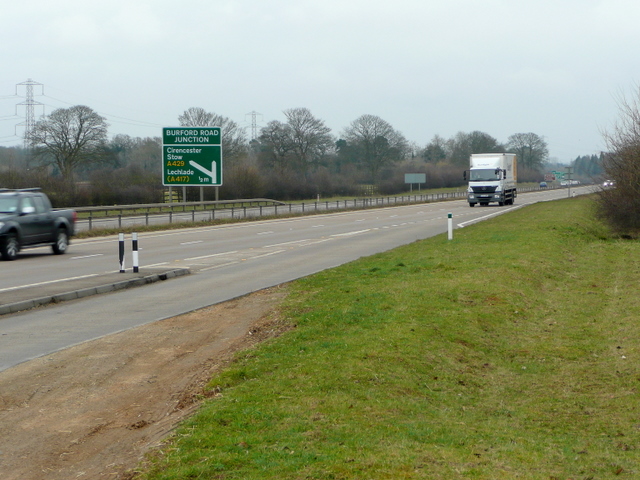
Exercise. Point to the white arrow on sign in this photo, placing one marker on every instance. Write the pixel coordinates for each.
(211, 173)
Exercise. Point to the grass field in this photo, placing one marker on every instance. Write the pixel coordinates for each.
(509, 352)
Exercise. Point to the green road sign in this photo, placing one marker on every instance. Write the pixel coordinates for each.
(192, 156)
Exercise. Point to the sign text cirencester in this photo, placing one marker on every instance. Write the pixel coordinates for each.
(192, 156)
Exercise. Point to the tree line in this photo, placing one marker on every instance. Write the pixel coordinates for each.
(69, 154)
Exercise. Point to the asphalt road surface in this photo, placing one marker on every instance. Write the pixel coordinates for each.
(227, 262)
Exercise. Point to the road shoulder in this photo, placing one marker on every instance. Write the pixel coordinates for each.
(95, 409)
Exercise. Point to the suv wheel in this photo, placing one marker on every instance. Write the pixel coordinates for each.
(62, 242)
(9, 247)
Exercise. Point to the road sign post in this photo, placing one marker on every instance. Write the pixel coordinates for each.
(192, 156)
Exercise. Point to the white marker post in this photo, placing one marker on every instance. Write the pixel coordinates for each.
(450, 222)
(134, 242)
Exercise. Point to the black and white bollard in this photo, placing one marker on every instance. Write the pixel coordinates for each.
(134, 242)
(121, 251)
(450, 226)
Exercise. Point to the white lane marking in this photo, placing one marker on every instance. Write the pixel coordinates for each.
(238, 261)
(219, 266)
(348, 234)
(87, 256)
(265, 255)
(320, 240)
(192, 243)
(288, 243)
(212, 255)
(48, 282)
(264, 233)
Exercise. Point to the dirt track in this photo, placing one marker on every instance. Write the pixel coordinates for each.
(92, 411)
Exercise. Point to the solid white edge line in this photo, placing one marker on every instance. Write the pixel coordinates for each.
(48, 282)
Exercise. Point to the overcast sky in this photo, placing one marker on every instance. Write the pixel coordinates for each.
(552, 67)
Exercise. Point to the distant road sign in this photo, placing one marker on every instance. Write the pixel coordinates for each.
(192, 156)
(415, 178)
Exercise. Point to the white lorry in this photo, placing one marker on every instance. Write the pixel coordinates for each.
(492, 178)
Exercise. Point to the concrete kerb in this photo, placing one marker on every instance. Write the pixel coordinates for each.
(97, 289)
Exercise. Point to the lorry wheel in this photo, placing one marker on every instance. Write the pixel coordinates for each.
(472, 204)
(62, 242)
(9, 247)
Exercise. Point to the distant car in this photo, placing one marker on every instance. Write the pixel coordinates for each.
(608, 183)
(543, 184)
(564, 183)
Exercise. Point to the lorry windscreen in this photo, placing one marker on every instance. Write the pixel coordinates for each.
(483, 175)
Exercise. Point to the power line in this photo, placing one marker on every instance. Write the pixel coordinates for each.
(129, 121)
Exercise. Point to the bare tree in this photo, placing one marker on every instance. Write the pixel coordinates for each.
(376, 142)
(234, 138)
(620, 206)
(463, 145)
(276, 146)
(531, 149)
(69, 138)
(435, 151)
(197, 117)
(310, 138)
(299, 145)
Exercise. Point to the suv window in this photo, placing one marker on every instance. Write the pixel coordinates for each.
(27, 202)
(8, 203)
(40, 208)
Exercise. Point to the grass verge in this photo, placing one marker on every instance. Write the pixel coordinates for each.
(510, 352)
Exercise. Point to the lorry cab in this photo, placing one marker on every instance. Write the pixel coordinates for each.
(492, 178)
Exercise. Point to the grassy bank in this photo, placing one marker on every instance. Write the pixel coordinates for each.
(510, 352)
